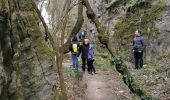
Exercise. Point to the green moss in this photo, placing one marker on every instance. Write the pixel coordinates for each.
(103, 64)
(25, 5)
(3, 95)
(139, 18)
(20, 90)
(103, 37)
(136, 5)
(5, 41)
(33, 30)
(42, 48)
(55, 95)
(102, 60)
(20, 27)
(115, 3)
(130, 81)
(18, 95)
(73, 74)
(68, 72)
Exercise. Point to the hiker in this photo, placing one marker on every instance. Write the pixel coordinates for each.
(138, 48)
(46, 37)
(81, 34)
(90, 60)
(74, 46)
(83, 50)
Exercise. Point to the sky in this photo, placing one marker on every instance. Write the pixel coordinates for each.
(44, 12)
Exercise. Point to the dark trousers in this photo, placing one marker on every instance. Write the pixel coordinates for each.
(90, 66)
(84, 61)
(138, 59)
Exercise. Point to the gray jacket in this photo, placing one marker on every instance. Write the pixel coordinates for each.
(139, 43)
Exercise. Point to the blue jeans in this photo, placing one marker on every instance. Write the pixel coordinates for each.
(74, 61)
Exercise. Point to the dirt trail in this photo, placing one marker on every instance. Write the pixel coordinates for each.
(106, 86)
(97, 88)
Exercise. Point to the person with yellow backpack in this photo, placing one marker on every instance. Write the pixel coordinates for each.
(74, 47)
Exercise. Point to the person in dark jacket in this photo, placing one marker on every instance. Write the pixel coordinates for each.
(83, 50)
(138, 48)
(74, 46)
(90, 60)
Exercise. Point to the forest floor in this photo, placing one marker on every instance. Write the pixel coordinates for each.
(154, 77)
(107, 84)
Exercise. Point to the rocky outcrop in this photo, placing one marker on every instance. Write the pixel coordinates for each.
(139, 15)
(120, 66)
(26, 71)
(160, 45)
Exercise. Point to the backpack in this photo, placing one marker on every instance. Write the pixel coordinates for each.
(75, 47)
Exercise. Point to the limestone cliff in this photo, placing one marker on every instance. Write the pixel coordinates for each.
(123, 18)
(25, 60)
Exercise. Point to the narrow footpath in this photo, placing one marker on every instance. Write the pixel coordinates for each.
(106, 85)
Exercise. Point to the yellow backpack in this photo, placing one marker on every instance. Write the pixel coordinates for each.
(75, 47)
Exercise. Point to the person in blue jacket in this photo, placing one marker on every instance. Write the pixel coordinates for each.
(138, 48)
(90, 60)
(81, 34)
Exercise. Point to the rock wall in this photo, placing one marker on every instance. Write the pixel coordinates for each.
(108, 17)
(26, 71)
(160, 46)
(123, 18)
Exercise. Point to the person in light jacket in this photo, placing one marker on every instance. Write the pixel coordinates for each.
(90, 60)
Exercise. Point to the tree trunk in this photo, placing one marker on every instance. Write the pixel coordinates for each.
(27, 62)
(59, 50)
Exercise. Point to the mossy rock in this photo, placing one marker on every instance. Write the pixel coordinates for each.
(142, 19)
(130, 81)
(143, 4)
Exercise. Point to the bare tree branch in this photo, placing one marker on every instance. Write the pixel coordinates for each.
(76, 28)
(44, 25)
